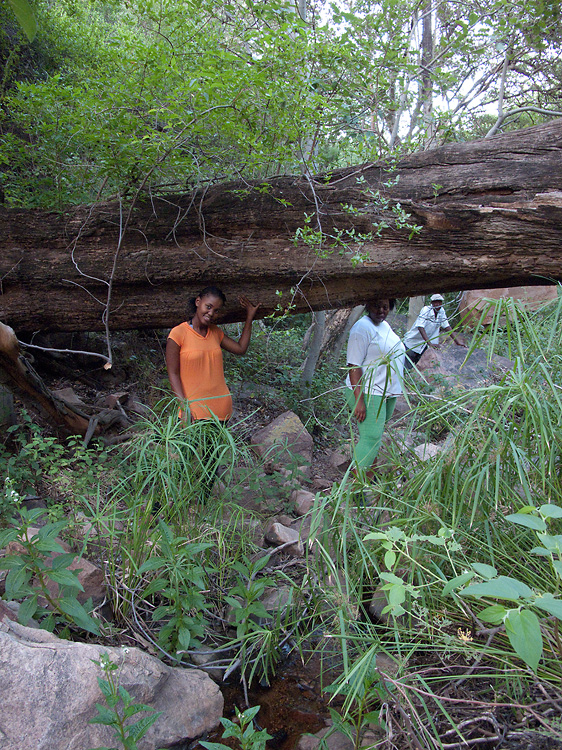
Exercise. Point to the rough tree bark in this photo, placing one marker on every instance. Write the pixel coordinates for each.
(490, 212)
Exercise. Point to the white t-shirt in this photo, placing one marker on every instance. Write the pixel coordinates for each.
(431, 323)
(380, 354)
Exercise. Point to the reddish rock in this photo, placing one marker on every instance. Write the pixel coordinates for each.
(473, 302)
(278, 534)
(284, 438)
(303, 501)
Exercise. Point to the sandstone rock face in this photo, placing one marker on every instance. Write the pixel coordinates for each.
(49, 690)
(473, 302)
(284, 437)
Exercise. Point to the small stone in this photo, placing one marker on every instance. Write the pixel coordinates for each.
(275, 599)
(278, 534)
(339, 461)
(284, 520)
(303, 501)
(321, 483)
(201, 657)
(330, 740)
(427, 450)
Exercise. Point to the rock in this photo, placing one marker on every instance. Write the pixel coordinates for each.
(401, 407)
(302, 526)
(373, 737)
(425, 451)
(111, 400)
(284, 437)
(303, 501)
(275, 599)
(474, 301)
(203, 656)
(277, 534)
(9, 611)
(446, 366)
(321, 483)
(69, 396)
(331, 740)
(378, 602)
(136, 407)
(339, 461)
(49, 690)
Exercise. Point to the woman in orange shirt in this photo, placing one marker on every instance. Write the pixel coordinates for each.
(194, 356)
(195, 368)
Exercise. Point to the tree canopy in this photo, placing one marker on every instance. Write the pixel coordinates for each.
(113, 98)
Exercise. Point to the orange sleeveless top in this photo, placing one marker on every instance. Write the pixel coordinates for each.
(201, 371)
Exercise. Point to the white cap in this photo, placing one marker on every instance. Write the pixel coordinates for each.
(437, 297)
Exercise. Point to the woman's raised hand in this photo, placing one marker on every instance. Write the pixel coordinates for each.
(250, 308)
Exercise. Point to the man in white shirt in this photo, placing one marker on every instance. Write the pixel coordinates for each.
(425, 331)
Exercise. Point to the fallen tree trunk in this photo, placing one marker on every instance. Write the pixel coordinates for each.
(18, 375)
(489, 212)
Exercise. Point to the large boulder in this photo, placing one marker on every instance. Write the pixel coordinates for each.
(449, 366)
(283, 439)
(474, 301)
(49, 691)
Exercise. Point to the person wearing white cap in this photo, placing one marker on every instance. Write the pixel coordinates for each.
(425, 331)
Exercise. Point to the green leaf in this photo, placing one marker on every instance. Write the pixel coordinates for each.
(391, 578)
(483, 570)
(7, 536)
(65, 578)
(184, 637)
(105, 716)
(27, 609)
(524, 633)
(76, 612)
(153, 563)
(154, 586)
(105, 687)
(551, 511)
(499, 588)
(494, 614)
(17, 583)
(374, 535)
(531, 522)
(390, 559)
(457, 582)
(140, 727)
(161, 612)
(557, 564)
(26, 18)
(549, 604)
(62, 561)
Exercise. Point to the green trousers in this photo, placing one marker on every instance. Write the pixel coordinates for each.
(379, 411)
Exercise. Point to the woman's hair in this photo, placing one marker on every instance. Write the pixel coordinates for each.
(209, 291)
